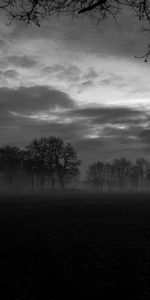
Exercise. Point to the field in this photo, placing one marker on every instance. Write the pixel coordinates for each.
(75, 246)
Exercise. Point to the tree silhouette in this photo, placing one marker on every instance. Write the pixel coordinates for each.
(10, 163)
(51, 159)
(141, 164)
(121, 171)
(120, 175)
(95, 174)
(109, 176)
(134, 177)
(68, 165)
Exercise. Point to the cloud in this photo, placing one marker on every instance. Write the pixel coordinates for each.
(90, 74)
(125, 82)
(21, 61)
(11, 73)
(33, 99)
(78, 35)
(144, 135)
(111, 115)
(70, 72)
(19, 108)
(72, 75)
(139, 90)
(85, 85)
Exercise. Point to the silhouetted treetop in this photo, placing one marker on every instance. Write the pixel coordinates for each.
(53, 157)
(37, 10)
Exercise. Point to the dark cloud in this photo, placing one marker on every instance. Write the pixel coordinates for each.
(18, 127)
(17, 105)
(21, 61)
(69, 131)
(126, 39)
(11, 74)
(82, 34)
(144, 135)
(33, 99)
(113, 115)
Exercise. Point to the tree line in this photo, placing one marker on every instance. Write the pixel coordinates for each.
(49, 163)
(44, 163)
(120, 175)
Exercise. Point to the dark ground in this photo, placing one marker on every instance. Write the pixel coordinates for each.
(75, 246)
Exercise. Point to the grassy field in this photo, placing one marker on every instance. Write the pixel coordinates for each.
(75, 246)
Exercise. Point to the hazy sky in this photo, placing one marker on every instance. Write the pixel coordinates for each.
(78, 81)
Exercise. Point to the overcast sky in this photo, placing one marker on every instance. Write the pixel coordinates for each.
(77, 81)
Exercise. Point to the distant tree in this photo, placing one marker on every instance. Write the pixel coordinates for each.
(147, 174)
(40, 160)
(109, 176)
(141, 164)
(51, 158)
(68, 165)
(134, 177)
(95, 175)
(122, 168)
(10, 163)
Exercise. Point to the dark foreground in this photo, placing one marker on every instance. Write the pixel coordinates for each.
(74, 247)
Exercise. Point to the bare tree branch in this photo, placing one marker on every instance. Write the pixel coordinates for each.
(34, 11)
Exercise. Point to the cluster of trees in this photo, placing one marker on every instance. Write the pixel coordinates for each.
(121, 175)
(45, 162)
(49, 163)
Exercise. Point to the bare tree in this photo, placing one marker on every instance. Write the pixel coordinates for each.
(121, 175)
(10, 164)
(95, 175)
(68, 165)
(109, 176)
(134, 177)
(141, 164)
(51, 159)
(121, 172)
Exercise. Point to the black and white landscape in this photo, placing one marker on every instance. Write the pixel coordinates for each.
(74, 149)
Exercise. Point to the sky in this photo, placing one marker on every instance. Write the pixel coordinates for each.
(79, 81)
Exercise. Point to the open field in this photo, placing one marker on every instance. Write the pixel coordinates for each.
(74, 246)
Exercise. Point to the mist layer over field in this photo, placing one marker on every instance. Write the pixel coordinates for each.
(74, 246)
